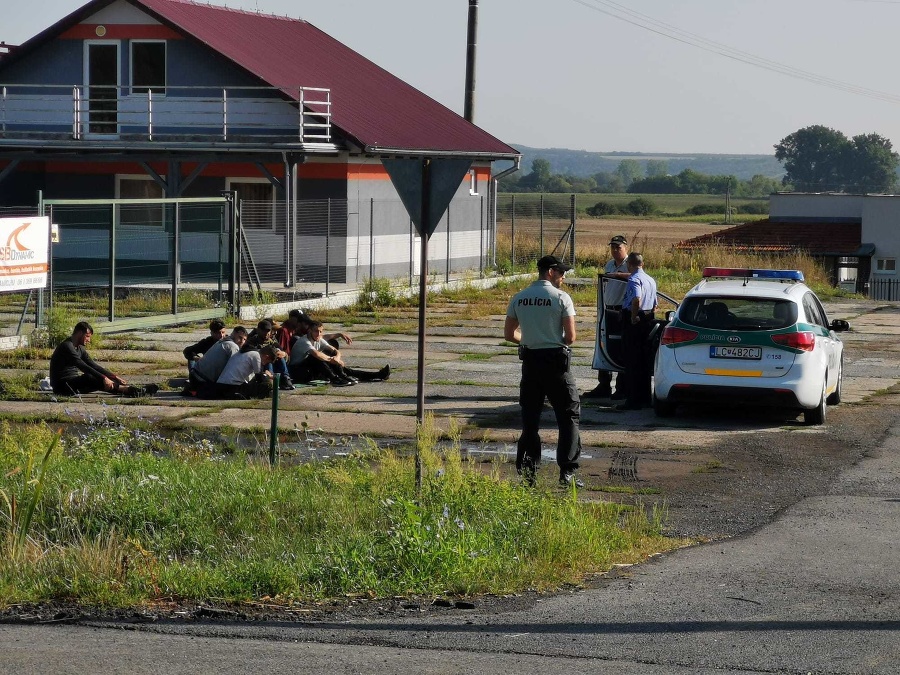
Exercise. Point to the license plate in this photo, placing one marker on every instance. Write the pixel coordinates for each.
(729, 352)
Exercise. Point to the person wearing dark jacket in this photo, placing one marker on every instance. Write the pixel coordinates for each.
(73, 371)
(195, 351)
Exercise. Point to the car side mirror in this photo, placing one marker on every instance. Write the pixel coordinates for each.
(839, 325)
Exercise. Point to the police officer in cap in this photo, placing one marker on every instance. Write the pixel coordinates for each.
(541, 320)
(638, 307)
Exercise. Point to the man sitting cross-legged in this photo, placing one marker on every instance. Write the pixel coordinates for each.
(194, 352)
(208, 368)
(314, 359)
(73, 371)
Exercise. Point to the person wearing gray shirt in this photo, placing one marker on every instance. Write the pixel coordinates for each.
(210, 366)
(541, 320)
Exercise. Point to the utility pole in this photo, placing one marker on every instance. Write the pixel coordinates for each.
(472, 39)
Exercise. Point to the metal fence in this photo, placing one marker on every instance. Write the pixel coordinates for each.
(884, 289)
(330, 245)
(530, 226)
(132, 259)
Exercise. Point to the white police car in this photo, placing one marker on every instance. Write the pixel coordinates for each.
(750, 337)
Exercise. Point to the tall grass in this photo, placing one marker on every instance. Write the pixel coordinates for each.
(125, 518)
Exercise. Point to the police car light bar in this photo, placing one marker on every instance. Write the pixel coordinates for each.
(746, 273)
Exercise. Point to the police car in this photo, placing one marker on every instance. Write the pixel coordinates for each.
(751, 336)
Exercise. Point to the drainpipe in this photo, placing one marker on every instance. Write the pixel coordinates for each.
(493, 206)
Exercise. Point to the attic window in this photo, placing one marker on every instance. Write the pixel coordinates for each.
(148, 67)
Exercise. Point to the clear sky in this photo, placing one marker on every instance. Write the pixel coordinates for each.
(570, 74)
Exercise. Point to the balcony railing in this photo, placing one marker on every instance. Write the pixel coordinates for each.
(165, 114)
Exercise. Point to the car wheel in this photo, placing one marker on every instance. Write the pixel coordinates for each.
(816, 415)
(663, 408)
(835, 397)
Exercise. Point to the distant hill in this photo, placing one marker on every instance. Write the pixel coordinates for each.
(583, 163)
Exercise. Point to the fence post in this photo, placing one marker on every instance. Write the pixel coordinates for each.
(112, 262)
(512, 236)
(176, 257)
(447, 274)
(542, 225)
(371, 238)
(273, 426)
(412, 243)
(572, 223)
(481, 233)
(328, 250)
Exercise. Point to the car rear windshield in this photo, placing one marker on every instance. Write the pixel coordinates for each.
(722, 313)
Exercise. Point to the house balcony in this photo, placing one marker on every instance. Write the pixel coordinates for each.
(72, 117)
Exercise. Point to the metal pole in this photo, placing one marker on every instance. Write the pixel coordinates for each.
(328, 250)
(371, 238)
(176, 258)
(512, 246)
(574, 221)
(273, 426)
(471, 40)
(542, 225)
(112, 262)
(447, 273)
(481, 232)
(423, 295)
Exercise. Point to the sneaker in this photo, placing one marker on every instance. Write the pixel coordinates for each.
(341, 382)
(354, 380)
(150, 389)
(285, 384)
(618, 396)
(384, 373)
(598, 392)
(568, 479)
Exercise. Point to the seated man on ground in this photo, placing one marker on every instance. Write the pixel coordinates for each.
(303, 323)
(195, 351)
(264, 335)
(246, 376)
(314, 359)
(73, 371)
(208, 368)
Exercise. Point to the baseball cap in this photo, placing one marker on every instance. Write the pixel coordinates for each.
(618, 239)
(552, 262)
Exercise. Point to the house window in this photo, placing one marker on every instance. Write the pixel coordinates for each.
(885, 265)
(148, 67)
(473, 182)
(256, 201)
(139, 187)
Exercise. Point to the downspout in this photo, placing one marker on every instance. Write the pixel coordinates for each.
(493, 206)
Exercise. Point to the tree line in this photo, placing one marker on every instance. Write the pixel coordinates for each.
(815, 159)
(631, 177)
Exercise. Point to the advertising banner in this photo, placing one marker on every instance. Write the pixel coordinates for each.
(24, 253)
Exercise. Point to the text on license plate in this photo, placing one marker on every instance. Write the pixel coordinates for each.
(729, 352)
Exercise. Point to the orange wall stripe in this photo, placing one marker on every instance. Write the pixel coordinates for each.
(88, 31)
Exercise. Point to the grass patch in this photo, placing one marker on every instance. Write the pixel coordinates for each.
(711, 466)
(628, 490)
(127, 516)
(476, 357)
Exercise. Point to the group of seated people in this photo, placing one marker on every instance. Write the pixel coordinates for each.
(239, 365)
(243, 364)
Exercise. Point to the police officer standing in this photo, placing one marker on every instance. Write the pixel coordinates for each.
(638, 307)
(616, 270)
(541, 320)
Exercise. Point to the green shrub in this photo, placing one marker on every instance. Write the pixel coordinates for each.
(376, 293)
(640, 207)
(602, 209)
(705, 209)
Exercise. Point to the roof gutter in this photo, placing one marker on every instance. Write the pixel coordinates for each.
(474, 156)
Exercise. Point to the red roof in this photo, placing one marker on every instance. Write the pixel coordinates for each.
(374, 108)
(816, 238)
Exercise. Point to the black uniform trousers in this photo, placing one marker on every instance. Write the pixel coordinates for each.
(545, 375)
(638, 367)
